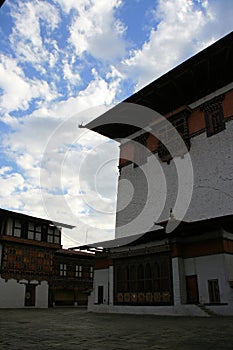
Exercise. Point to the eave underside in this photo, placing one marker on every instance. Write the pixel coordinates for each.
(202, 74)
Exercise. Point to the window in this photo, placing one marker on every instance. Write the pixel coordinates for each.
(57, 235)
(53, 235)
(214, 117)
(91, 271)
(38, 230)
(140, 150)
(50, 235)
(62, 269)
(214, 295)
(167, 137)
(148, 278)
(31, 230)
(140, 278)
(143, 280)
(34, 231)
(16, 228)
(78, 271)
(132, 279)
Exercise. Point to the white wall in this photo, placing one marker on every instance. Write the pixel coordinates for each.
(151, 190)
(206, 268)
(178, 277)
(11, 294)
(101, 278)
(42, 291)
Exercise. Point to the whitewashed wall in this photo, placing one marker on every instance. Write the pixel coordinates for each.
(151, 190)
(101, 278)
(206, 268)
(11, 294)
(42, 291)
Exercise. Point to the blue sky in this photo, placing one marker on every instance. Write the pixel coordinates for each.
(64, 62)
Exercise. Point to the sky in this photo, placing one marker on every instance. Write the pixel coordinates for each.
(62, 64)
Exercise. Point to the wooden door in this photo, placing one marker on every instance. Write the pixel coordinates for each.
(30, 295)
(192, 289)
(100, 294)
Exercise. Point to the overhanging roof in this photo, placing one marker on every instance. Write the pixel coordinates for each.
(1, 2)
(202, 74)
(185, 228)
(8, 213)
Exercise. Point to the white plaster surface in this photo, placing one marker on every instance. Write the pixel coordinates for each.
(11, 294)
(155, 185)
(210, 267)
(179, 287)
(101, 278)
(42, 295)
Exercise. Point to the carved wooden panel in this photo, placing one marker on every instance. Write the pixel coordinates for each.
(27, 262)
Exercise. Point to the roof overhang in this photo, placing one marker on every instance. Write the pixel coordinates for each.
(185, 228)
(9, 213)
(1, 2)
(199, 76)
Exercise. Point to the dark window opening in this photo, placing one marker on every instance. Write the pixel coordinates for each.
(170, 140)
(214, 295)
(140, 150)
(63, 270)
(214, 116)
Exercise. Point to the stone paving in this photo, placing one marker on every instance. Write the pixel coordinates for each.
(74, 328)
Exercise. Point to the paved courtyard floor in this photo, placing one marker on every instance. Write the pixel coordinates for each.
(70, 328)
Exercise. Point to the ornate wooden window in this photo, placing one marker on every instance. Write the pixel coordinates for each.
(78, 271)
(63, 269)
(140, 149)
(26, 262)
(148, 278)
(214, 117)
(143, 280)
(140, 278)
(34, 231)
(16, 229)
(91, 271)
(167, 137)
(132, 279)
(53, 235)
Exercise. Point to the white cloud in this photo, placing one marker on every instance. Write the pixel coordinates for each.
(18, 90)
(96, 31)
(5, 169)
(10, 183)
(69, 74)
(26, 36)
(182, 28)
(56, 125)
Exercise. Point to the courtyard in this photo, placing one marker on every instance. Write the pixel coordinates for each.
(75, 328)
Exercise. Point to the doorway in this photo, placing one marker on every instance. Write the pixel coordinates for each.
(192, 289)
(30, 295)
(100, 294)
